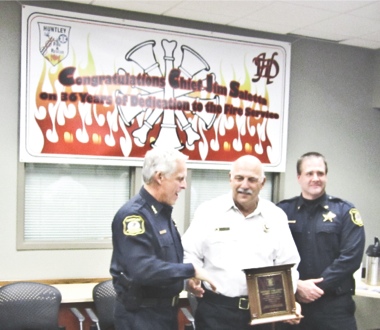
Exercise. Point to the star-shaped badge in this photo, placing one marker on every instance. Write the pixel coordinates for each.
(328, 217)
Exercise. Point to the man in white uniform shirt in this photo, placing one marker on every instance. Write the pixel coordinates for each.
(230, 233)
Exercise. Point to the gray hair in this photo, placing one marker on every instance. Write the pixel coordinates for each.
(162, 160)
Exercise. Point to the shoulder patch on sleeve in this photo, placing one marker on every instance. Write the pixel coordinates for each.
(133, 225)
(356, 218)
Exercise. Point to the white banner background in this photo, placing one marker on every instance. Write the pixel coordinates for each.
(99, 90)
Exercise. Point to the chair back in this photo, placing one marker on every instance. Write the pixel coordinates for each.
(104, 296)
(28, 305)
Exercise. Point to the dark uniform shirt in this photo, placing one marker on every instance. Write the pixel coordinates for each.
(329, 235)
(147, 249)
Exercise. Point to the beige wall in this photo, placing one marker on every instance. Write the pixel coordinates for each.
(330, 111)
(15, 264)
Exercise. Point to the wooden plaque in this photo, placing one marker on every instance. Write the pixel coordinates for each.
(270, 294)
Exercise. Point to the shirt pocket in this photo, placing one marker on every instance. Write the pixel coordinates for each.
(296, 230)
(166, 246)
(222, 247)
(327, 235)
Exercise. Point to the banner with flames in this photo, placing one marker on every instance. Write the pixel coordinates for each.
(100, 90)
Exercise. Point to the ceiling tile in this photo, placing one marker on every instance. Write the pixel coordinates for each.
(361, 43)
(215, 11)
(157, 7)
(290, 14)
(372, 36)
(371, 11)
(335, 20)
(347, 25)
(334, 6)
(199, 16)
(319, 34)
(262, 26)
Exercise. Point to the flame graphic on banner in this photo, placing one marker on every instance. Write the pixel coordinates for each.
(73, 127)
(84, 121)
(234, 135)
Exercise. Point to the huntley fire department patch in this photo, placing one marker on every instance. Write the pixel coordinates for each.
(133, 225)
(54, 42)
(356, 218)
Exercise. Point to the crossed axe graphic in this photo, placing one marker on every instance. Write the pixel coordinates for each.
(191, 64)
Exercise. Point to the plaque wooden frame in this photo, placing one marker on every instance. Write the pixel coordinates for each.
(270, 294)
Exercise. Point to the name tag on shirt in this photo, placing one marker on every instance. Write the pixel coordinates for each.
(222, 229)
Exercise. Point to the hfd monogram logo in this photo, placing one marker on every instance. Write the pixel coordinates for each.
(265, 68)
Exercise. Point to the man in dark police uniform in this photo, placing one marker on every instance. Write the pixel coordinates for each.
(147, 262)
(329, 235)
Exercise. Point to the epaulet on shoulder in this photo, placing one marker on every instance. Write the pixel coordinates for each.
(333, 198)
(339, 200)
(288, 200)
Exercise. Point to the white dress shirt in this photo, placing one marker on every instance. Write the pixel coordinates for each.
(224, 242)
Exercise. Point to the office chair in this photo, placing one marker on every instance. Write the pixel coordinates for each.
(28, 305)
(189, 314)
(104, 296)
(79, 316)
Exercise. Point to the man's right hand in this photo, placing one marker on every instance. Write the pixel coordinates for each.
(308, 291)
(194, 284)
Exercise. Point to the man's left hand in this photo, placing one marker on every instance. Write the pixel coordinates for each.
(297, 320)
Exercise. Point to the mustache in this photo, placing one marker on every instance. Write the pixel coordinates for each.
(245, 191)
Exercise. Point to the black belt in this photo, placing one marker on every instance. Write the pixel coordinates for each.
(160, 302)
(234, 302)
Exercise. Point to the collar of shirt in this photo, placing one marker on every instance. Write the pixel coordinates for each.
(230, 204)
(321, 201)
(155, 205)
